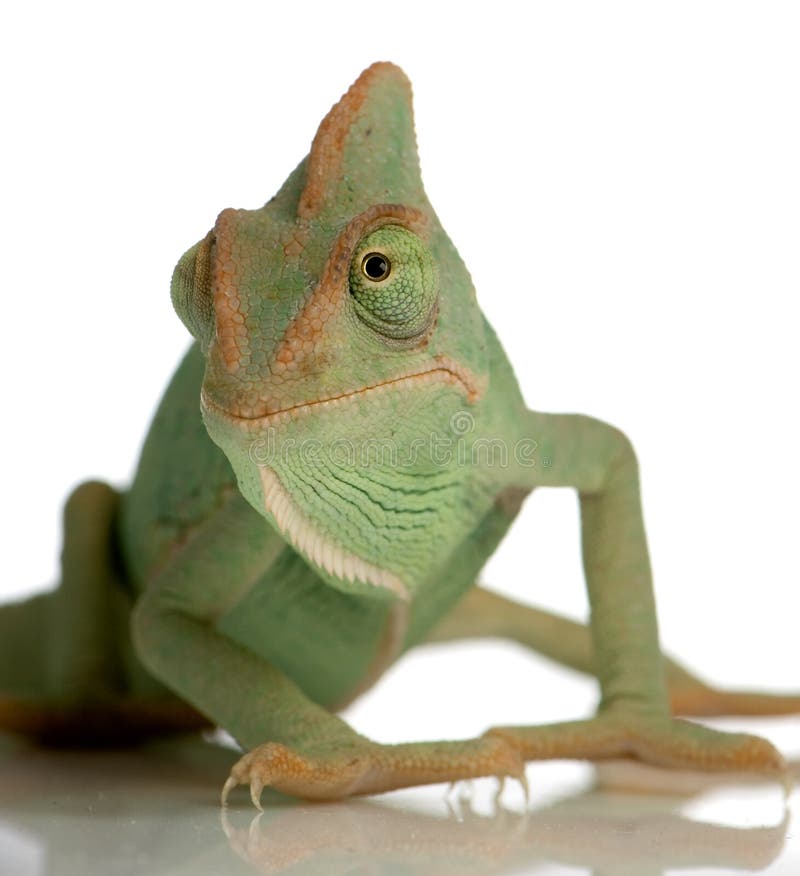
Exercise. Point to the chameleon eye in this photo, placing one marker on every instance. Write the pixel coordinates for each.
(192, 295)
(394, 283)
(376, 267)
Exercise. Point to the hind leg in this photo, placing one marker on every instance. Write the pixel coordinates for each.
(483, 614)
(87, 614)
(67, 670)
(63, 645)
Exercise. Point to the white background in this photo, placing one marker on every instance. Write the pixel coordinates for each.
(622, 180)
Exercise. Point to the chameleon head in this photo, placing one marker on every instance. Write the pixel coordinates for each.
(341, 337)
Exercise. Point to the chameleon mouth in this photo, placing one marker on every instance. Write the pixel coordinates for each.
(443, 371)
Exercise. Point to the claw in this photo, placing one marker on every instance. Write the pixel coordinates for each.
(501, 784)
(450, 794)
(256, 787)
(229, 785)
(787, 783)
(523, 780)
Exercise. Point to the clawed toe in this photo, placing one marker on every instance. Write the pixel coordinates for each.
(327, 774)
(251, 769)
(229, 785)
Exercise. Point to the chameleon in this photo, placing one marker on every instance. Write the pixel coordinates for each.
(336, 457)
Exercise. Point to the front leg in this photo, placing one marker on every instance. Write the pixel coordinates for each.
(298, 747)
(174, 633)
(634, 712)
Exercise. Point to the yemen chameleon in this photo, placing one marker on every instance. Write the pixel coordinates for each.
(338, 454)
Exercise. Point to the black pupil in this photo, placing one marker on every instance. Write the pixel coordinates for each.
(376, 267)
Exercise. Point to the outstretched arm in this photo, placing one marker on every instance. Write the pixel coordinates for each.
(598, 460)
(634, 714)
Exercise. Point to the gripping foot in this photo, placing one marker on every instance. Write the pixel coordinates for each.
(364, 767)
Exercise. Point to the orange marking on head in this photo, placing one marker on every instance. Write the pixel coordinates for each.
(231, 335)
(325, 158)
(306, 330)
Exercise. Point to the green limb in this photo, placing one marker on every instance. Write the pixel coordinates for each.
(64, 646)
(599, 462)
(175, 635)
(484, 614)
(67, 671)
(634, 717)
(87, 614)
(22, 659)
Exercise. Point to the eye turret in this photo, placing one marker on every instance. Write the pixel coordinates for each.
(191, 290)
(394, 283)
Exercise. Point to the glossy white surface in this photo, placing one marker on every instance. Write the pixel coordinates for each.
(155, 811)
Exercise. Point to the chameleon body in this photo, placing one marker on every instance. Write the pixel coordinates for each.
(342, 448)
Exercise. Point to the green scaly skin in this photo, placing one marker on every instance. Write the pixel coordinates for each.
(363, 448)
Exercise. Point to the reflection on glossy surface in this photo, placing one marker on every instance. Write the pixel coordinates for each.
(155, 811)
(594, 831)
